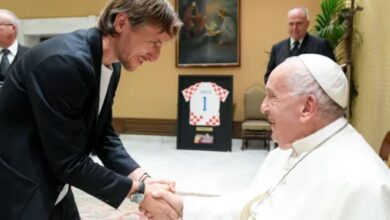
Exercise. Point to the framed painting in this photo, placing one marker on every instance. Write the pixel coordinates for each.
(210, 33)
(205, 112)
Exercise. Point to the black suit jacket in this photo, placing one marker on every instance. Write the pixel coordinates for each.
(21, 50)
(310, 44)
(49, 124)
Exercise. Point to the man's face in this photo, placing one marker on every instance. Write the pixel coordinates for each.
(7, 32)
(297, 24)
(134, 46)
(281, 107)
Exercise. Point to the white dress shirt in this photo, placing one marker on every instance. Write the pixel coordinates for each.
(105, 77)
(13, 49)
(292, 41)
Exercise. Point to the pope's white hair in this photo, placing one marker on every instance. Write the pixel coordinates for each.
(301, 83)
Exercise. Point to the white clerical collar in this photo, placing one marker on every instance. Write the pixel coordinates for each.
(312, 141)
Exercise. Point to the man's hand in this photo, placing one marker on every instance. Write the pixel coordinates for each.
(139, 175)
(152, 187)
(171, 184)
(154, 206)
(174, 200)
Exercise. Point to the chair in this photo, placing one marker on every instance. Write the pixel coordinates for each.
(255, 125)
(384, 152)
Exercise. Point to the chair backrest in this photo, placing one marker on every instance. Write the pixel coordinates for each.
(252, 102)
(385, 147)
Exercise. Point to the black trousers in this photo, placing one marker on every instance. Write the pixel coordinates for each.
(66, 209)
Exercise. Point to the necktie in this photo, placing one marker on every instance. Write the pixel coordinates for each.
(4, 64)
(294, 51)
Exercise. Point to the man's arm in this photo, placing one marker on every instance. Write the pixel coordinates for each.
(109, 148)
(60, 105)
(228, 207)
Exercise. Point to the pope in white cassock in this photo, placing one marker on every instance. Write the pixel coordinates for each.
(323, 168)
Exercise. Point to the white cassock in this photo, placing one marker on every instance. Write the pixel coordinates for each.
(333, 174)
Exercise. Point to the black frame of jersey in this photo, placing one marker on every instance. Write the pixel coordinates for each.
(219, 138)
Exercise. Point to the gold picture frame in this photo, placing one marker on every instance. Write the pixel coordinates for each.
(210, 33)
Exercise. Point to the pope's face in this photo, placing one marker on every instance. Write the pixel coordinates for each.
(282, 107)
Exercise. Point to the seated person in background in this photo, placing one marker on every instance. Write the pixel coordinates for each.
(323, 168)
(299, 42)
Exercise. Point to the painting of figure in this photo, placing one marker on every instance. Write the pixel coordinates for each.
(210, 34)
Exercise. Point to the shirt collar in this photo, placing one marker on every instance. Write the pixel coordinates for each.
(13, 49)
(292, 42)
(310, 142)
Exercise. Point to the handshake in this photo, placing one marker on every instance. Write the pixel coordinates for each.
(156, 198)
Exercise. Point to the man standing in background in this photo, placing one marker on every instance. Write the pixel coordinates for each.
(10, 49)
(299, 42)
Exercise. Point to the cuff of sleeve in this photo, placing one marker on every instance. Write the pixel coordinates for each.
(120, 192)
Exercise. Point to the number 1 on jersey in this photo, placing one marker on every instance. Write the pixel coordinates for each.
(204, 104)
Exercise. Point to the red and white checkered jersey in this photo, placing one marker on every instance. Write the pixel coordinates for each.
(205, 98)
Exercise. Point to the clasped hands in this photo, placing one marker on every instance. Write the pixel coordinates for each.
(160, 201)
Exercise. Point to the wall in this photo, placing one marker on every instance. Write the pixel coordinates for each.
(371, 115)
(151, 91)
(53, 8)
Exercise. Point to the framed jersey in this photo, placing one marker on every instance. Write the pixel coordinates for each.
(205, 112)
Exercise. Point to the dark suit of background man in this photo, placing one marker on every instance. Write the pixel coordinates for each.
(299, 42)
(10, 50)
(55, 108)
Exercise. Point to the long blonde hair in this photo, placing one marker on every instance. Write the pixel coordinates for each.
(159, 13)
